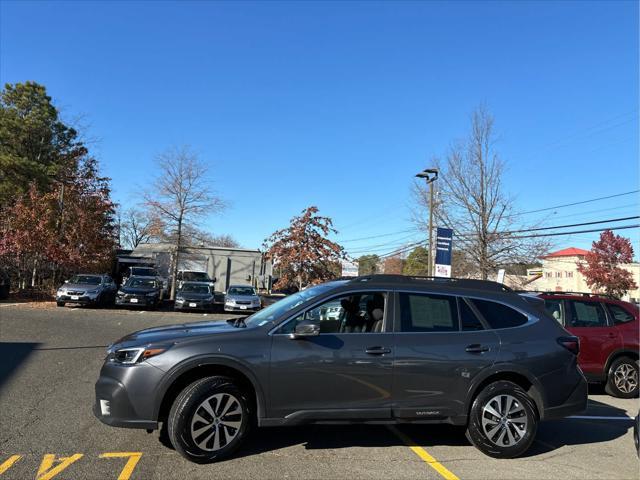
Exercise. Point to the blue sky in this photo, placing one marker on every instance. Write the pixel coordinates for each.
(339, 104)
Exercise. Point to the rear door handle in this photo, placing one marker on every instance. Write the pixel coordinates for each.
(377, 350)
(476, 348)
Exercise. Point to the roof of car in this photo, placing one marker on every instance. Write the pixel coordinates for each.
(430, 282)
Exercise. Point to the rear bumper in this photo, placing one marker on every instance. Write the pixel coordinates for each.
(576, 403)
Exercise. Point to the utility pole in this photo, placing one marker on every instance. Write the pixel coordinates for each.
(430, 175)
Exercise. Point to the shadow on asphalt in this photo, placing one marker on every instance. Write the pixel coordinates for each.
(13, 355)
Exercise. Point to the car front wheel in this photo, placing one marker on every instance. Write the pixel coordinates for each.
(622, 380)
(209, 420)
(60, 304)
(503, 420)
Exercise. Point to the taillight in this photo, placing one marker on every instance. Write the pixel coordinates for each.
(570, 343)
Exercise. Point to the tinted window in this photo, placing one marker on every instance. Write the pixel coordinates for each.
(586, 314)
(498, 315)
(468, 319)
(619, 314)
(353, 313)
(428, 313)
(554, 308)
(86, 280)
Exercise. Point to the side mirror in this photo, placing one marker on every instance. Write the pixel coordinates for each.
(306, 328)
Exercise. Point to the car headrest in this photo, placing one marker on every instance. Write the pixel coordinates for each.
(377, 314)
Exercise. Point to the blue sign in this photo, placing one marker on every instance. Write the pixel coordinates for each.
(444, 240)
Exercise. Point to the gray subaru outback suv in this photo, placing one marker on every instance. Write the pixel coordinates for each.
(401, 350)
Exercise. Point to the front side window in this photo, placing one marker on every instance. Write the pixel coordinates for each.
(428, 313)
(586, 314)
(351, 313)
(498, 315)
(619, 314)
(554, 308)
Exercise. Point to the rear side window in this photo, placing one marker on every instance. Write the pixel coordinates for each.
(586, 314)
(428, 313)
(468, 319)
(619, 314)
(498, 315)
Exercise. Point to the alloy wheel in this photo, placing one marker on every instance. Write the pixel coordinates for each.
(626, 378)
(504, 420)
(216, 422)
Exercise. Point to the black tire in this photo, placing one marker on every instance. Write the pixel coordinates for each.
(60, 304)
(623, 374)
(189, 403)
(524, 415)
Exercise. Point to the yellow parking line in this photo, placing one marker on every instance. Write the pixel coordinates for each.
(6, 465)
(424, 455)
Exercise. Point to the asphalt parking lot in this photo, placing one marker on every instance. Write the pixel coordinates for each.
(51, 358)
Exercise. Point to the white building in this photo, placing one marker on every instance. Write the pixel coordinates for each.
(559, 273)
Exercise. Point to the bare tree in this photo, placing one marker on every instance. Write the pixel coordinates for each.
(136, 227)
(181, 196)
(472, 202)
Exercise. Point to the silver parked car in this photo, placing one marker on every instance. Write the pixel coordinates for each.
(241, 298)
(87, 289)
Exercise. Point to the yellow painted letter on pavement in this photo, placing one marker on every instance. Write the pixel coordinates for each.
(47, 471)
(6, 465)
(126, 472)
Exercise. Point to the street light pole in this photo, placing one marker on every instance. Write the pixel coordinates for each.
(430, 175)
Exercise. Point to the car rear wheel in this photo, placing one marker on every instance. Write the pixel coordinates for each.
(622, 380)
(209, 420)
(503, 420)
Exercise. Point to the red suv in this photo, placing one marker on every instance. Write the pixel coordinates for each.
(608, 331)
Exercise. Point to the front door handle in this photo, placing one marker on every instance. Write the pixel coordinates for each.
(377, 350)
(476, 348)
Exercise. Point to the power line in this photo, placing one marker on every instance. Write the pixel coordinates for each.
(575, 203)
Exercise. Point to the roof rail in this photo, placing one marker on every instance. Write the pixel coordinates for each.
(582, 294)
(458, 282)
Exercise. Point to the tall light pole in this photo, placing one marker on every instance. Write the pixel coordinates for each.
(430, 175)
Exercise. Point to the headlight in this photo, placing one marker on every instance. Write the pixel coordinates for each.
(95, 290)
(120, 293)
(62, 291)
(128, 356)
(179, 300)
(231, 301)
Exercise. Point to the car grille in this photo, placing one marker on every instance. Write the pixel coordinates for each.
(243, 302)
(75, 292)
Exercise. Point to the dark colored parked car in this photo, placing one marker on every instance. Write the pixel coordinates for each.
(609, 337)
(195, 296)
(87, 289)
(403, 350)
(140, 292)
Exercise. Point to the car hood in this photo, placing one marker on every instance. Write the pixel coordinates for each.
(79, 286)
(243, 298)
(174, 333)
(137, 290)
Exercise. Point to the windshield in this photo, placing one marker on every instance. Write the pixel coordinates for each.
(241, 291)
(86, 279)
(141, 283)
(276, 310)
(143, 272)
(195, 276)
(195, 288)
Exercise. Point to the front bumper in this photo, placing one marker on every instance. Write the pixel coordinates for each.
(140, 301)
(124, 395)
(241, 308)
(187, 305)
(85, 299)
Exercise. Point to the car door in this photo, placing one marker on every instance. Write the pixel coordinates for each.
(345, 371)
(440, 345)
(587, 320)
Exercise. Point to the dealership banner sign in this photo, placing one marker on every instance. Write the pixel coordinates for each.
(443, 252)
